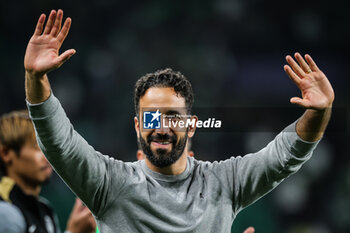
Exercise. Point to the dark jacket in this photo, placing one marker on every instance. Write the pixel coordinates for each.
(38, 215)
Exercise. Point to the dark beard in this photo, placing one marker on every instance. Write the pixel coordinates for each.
(162, 158)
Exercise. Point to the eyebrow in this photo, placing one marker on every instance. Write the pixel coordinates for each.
(172, 112)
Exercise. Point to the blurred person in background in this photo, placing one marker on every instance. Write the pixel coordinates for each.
(12, 220)
(25, 169)
(168, 191)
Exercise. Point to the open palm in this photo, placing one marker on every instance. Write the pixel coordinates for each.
(42, 54)
(317, 93)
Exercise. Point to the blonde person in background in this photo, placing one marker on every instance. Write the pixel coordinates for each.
(24, 170)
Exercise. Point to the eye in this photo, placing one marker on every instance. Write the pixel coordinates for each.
(172, 118)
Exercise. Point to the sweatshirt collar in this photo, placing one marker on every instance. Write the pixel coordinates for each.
(169, 178)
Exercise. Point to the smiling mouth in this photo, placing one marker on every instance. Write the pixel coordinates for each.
(161, 143)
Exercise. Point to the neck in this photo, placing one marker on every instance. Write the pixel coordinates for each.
(27, 187)
(174, 169)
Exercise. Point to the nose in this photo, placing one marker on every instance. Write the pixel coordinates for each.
(43, 158)
(162, 130)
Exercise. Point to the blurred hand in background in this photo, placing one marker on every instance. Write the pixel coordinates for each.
(249, 230)
(81, 219)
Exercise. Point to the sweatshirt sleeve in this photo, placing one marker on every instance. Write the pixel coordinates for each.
(250, 177)
(11, 219)
(86, 171)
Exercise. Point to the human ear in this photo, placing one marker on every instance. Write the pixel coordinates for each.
(192, 128)
(137, 126)
(6, 155)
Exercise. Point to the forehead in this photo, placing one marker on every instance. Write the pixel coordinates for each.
(162, 97)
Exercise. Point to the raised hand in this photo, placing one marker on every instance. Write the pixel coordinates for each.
(42, 54)
(317, 93)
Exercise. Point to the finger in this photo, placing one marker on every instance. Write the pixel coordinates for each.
(64, 57)
(311, 62)
(296, 68)
(92, 222)
(85, 213)
(249, 230)
(302, 63)
(40, 25)
(77, 205)
(57, 25)
(294, 77)
(50, 21)
(299, 101)
(65, 29)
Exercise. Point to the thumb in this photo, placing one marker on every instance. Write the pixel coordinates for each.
(301, 102)
(65, 56)
(77, 205)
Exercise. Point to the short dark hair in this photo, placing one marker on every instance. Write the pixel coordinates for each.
(164, 78)
(16, 129)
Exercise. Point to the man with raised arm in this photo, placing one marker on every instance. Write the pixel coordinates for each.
(168, 191)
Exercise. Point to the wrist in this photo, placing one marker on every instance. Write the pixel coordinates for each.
(31, 75)
(37, 88)
(323, 111)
